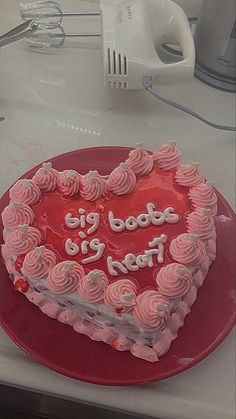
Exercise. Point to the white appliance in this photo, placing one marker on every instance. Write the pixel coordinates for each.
(132, 32)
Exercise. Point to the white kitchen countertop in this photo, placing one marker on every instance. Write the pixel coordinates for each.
(55, 102)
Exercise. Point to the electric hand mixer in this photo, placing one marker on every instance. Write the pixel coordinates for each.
(132, 32)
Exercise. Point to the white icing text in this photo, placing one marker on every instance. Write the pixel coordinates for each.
(133, 263)
(143, 220)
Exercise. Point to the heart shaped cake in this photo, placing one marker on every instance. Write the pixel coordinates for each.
(119, 257)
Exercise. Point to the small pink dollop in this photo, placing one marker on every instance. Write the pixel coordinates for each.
(121, 295)
(36, 298)
(167, 158)
(140, 161)
(176, 322)
(104, 334)
(38, 263)
(174, 280)
(202, 223)
(144, 352)
(204, 196)
(122, 180)
(17, 213)
(122, 343)
(152, 310)
(211, 249)
(94, 186)
(23, 239)
(92, 286)
(65, 277)
(85, 328)
(51, 309)
(182, 309)
(188, 249)
(46, 178)
(162, 346)
(25, 191)
(188, 175)
(68, 182)
(66, 316)
(191, 296)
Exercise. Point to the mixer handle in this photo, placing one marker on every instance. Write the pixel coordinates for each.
(169, 24)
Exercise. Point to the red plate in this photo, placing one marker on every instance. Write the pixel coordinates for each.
(60, 348)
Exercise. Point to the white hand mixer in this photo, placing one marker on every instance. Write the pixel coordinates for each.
(132, 32)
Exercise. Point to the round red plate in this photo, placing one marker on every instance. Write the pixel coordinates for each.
(60, 348)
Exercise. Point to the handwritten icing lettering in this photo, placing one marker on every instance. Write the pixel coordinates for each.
(133, 263)
(98, 247)
(111, 264)
(74, 222)
(143, 220)
(95, 245)
(71, 248)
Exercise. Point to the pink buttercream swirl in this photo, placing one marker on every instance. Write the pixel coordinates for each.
(23, 239)
(152, 310)
(201, 222)
(65, 277)
(94, 186)
(25, 191)
(38, 263)
(174, 280)
(140, 162)
(46, 178)
(121, 295)
(122, 180)
(17, 213)
(188, 249)
(188, 175)
(167, 158)
(68, 182)
(92, 286)
(144, 352)
(204, 196)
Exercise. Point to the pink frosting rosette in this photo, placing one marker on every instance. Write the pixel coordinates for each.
(17, 213)
(201, 222)
(38, 263)
(65, 277)
(204, 196)
(167, 157)
(92, 286)
(140, 161)
(174, 280)
(188, 249)
(144, 352)
(188, 175)
(94, 186)
(120, 295)
(46, 178)
(25, 191)
(68, 182)
(23, 239)
(152, 310)
(122, 180)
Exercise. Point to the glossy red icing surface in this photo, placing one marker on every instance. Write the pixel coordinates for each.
(158, 187)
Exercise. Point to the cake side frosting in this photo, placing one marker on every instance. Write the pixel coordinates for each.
(124, 305)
